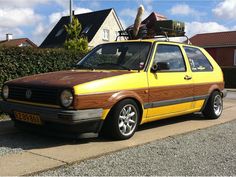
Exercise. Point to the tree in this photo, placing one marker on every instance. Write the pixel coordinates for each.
(74, 41)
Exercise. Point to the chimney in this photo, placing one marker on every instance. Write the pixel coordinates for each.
(9, 36)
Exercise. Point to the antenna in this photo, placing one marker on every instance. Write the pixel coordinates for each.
(71, 9)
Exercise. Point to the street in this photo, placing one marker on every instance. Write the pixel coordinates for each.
(186, 145)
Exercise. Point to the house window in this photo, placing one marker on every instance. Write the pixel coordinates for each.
(59, 32)
(86, 29)
(24, 44)
(105, 35)
(234, 56)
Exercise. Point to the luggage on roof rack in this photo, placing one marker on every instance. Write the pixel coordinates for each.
(171, 28)
(167, 28)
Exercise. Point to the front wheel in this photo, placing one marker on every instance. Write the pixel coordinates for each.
(214, 106)
(122, 121)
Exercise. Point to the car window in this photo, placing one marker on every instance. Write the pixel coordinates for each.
(169, 58)
(121, 56)
(198, 61)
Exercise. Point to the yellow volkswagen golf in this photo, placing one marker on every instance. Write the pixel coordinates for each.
(117, 87)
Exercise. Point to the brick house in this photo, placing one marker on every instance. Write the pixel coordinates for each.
(20, 42)
(221, 46)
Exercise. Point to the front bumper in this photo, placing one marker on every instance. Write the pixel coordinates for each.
(78, 121)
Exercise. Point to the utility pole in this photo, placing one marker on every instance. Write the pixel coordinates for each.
(71, 10)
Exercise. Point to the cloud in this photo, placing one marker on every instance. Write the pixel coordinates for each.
(123, 23)
(184, 9)
(148, 4)
(40, 29)
(43, 28)
(55, 17)
(129, 12)
(195, 27)
(14, 31)
(94, 5)
(31, 3)
(62, 3)
(40, 33)
(226, 9)
(22, 3)
(15, 17)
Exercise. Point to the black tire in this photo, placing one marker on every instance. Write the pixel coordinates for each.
(214, 106)
(112, 126)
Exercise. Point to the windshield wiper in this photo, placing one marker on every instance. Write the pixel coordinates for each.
(113, 64)
(127, 68)
(84, 67)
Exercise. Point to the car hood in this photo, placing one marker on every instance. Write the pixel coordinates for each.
(65, 79)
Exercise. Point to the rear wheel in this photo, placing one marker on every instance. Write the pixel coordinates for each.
(214, 106)
(122, 121)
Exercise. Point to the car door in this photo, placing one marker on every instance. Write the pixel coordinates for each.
(202, 75)
(170, 86)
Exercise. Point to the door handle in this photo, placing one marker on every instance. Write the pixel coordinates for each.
(187, 77)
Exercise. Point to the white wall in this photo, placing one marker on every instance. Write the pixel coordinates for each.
(112, 24)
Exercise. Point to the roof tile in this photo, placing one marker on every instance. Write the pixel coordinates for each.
(215, 39)
(16, 42)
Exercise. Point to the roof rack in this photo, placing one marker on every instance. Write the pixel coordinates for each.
(167, 38)
(157, 37)
(161, 29)
(124, 34)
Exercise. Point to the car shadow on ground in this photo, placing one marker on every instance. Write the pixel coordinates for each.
(26, 140)
(172, 120)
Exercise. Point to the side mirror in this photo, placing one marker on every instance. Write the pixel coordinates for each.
(160, 66)
(154, 68)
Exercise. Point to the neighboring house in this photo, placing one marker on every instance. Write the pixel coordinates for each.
(20, 42)
(99, 27)
(221, 46)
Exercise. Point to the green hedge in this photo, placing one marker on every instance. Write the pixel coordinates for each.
(229, 76)
(18, 62)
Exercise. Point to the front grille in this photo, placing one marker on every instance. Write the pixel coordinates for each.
(38, 95)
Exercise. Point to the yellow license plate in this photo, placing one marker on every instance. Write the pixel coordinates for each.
(31, 118)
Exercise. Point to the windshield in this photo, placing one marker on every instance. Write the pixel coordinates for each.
(117, 56)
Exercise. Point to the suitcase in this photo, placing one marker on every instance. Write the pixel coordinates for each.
(171, 28)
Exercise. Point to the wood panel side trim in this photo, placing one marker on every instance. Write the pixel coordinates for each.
(174, 101)
(144, 95)
(107, 100)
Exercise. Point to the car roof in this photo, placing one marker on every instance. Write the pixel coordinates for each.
(154, 40)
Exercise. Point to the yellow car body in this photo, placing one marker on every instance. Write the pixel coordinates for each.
(159, 94)
(130, 85)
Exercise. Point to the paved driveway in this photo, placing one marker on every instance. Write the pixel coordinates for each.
(24, 153)
(207, 152)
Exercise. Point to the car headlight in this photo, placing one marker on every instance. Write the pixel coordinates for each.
(66, 98)
(5, 92)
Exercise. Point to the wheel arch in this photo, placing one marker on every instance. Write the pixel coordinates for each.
(215, 87)
(123, 95)
(212, 89)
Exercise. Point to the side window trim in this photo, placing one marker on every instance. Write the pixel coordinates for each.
(180, 50)
(212, 68)
(150, 57)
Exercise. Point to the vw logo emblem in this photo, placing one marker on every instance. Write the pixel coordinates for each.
(28, 94)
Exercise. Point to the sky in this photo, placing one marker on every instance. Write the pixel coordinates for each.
(34, 19)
